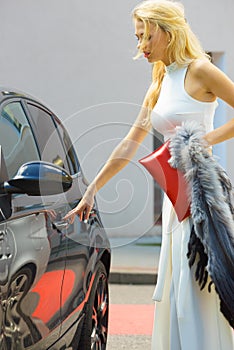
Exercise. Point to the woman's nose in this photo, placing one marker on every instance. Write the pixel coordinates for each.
(141, 45)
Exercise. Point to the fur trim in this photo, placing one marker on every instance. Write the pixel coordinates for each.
(212, 237)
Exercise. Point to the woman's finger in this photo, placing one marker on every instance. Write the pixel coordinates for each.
(83, 211)
(87, 213)
(70, 215)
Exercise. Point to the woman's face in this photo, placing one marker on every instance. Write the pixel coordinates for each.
(155, 48)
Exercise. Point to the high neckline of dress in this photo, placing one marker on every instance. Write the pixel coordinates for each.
(171, 67)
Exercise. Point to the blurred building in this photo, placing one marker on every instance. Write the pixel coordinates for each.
(77, 57)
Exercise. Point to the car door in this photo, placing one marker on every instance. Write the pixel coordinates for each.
(33, 250)
(86, 243)
(55, 147)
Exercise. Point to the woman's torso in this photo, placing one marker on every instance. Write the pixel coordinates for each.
(175, 105)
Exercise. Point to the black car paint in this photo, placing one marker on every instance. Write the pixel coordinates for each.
(66, 257)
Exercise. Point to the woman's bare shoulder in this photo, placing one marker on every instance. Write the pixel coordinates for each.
(201, 66)
(213, 79)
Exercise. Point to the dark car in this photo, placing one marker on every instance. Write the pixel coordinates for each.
(53, 274)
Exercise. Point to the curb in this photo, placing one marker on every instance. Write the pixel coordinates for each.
(135, 262)
(132, 278)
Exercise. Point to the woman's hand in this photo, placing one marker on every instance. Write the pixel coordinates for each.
(82, 209)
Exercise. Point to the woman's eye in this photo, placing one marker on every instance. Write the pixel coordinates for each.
(149, 37)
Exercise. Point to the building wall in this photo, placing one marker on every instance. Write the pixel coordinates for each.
(77, 57)
(212, 22)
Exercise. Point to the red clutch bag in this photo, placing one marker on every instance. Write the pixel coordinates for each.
(171, 180)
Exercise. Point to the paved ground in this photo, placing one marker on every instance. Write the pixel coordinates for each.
(135, 260)
(129, 342)
(133, 276)
(131, 317)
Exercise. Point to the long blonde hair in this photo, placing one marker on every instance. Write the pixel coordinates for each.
(183, 46)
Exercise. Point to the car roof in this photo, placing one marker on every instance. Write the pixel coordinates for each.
(9, 93)
(6, 93)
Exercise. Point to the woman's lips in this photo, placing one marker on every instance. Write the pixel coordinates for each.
(146, 54)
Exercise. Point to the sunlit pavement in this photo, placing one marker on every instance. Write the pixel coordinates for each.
(131, 317)
(133, 276)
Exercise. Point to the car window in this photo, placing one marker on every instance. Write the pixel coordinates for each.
(16, 138)
(70, 151)
(48, 139)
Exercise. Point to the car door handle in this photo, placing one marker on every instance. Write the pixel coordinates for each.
(61, 225)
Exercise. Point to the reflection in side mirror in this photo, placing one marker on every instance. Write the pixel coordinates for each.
(39, 178)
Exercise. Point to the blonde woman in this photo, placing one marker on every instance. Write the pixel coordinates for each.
(185, 84)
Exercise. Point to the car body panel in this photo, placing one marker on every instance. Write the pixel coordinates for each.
(47, 266)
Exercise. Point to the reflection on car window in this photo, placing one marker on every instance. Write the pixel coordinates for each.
(48, 139)
(16, 138)
(70, 151)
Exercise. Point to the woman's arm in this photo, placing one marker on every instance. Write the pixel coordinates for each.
(119, 158)
(219, 85)
(220, 134)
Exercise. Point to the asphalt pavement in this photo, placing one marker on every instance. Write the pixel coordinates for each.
(135, 259)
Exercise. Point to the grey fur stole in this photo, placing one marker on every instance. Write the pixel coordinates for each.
(212, 213)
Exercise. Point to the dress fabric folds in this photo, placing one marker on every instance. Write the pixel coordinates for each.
(185, 317)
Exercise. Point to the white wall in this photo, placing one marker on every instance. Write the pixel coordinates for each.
(76, 56)
(212, 21)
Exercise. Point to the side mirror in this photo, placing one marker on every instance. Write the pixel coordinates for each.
(38, 178)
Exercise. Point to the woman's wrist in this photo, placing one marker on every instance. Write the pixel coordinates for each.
(91, 190)
(206, 142)
(207, 145)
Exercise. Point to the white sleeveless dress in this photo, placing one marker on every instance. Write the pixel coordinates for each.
(185, 317)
